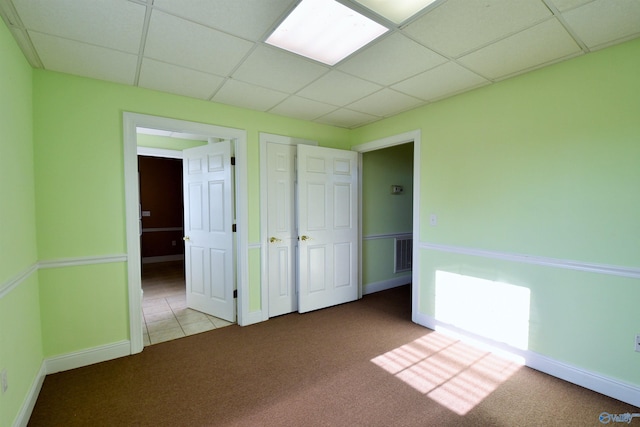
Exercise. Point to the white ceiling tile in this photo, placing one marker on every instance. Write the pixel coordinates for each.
(190, 45)
(541, 44)
(460, 26)
(116, 25)
(274, 68)
(337, 88)
(81, 59)
(347, 118)
(250, 19)
(396, 11)
(193, 46)
(392, 59)
(181, 81)
(248, 96)
(562, 5)
(302, 108)
(605, 21)
(444, 80)
(385, 103)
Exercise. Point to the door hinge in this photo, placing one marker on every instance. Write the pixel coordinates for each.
(233, 161)
(234, 229)
(235, 293)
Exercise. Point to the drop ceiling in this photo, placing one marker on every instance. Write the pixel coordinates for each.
(214, 50)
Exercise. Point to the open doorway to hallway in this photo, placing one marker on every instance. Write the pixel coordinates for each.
(166, 314)
(387, 217)
(229, 138)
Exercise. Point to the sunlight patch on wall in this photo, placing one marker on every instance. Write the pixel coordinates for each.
(494, 310)
(452, 373)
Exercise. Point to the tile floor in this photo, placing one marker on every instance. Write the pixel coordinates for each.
(164, 305)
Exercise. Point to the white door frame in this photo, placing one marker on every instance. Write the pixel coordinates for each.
(131, 121)
(415, 137)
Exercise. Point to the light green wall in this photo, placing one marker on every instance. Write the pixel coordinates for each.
(83, 307)
(166, 142)
(17, 215)
(584, 319)
(78, 141)
(383, 212)
(20, 346)
(20, 333)
(545, 164)
(255, 298)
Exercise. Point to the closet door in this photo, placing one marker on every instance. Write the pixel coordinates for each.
(327, 227)
(281, 225)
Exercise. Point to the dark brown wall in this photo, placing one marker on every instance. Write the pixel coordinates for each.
(161, 194)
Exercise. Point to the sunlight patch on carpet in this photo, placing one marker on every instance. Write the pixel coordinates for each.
(454, 374)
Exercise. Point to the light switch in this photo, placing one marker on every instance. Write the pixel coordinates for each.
(433, 219)
(146, 213)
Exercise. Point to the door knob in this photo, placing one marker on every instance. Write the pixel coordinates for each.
(186, 238)
(304, 238)
(274, 240)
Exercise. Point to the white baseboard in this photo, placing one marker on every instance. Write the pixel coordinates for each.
(602, 384)
(88, 357)
(30, 402)
(65, 363)
(163, 258)
(386, 284)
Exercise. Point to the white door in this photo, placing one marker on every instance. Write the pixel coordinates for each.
(208, 222)
(327, 227)
(281, 226)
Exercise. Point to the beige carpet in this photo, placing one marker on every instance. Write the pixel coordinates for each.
(358, 364)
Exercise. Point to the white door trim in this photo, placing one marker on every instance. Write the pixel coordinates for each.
(403, 138)
(130, 122)
(264, 205)
(159, 152)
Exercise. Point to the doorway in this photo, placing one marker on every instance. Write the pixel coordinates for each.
(387, 197)
(165, 309)
(132, 122)
(375, 285)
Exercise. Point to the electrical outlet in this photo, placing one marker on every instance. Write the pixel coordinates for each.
(638, 343)
(3, 380)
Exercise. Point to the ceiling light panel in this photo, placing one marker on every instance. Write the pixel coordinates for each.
(325, 30)
(396, 11)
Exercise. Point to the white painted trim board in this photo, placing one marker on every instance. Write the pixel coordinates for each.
(590, 380)
(613, 270)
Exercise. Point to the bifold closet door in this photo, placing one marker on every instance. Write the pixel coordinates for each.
(327, 227)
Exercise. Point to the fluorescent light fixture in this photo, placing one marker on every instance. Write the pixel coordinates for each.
(325, 30)
(396, 11)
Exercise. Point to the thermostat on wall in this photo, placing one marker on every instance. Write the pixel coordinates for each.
(397, 189)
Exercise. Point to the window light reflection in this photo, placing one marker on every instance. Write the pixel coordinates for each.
(494, 310)
(454, 374)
